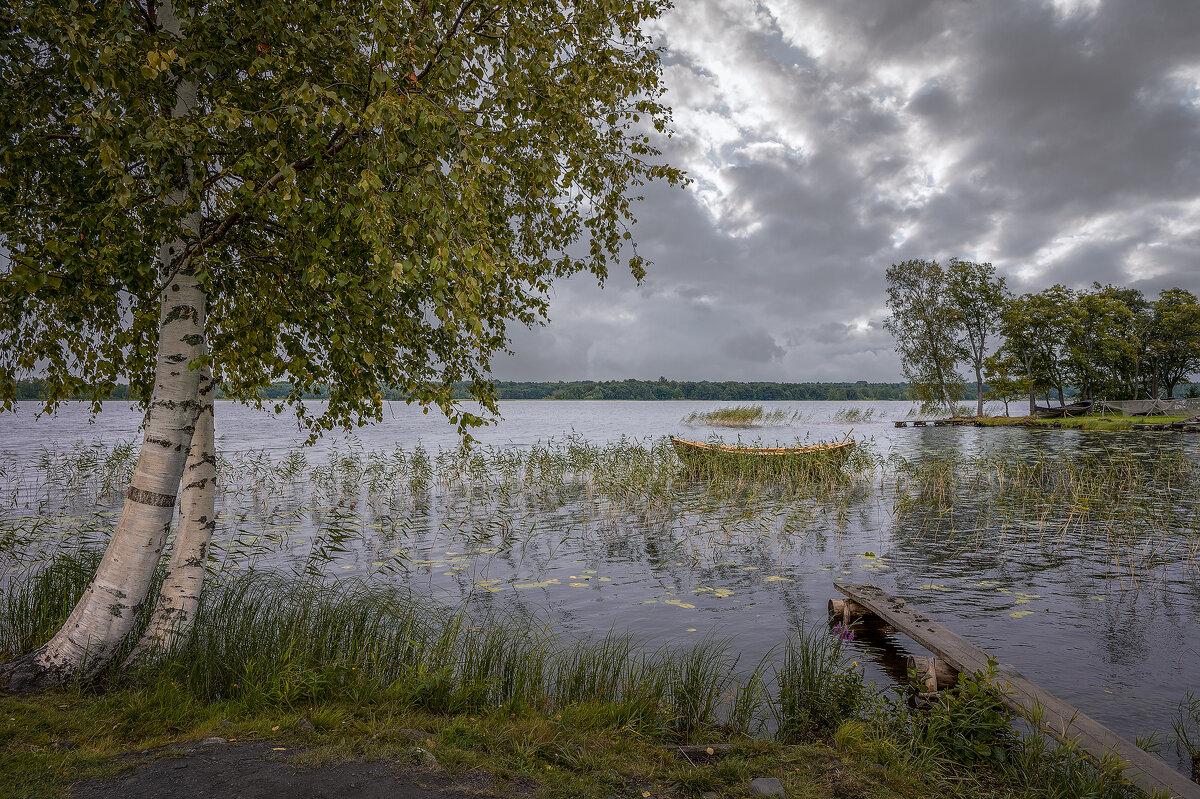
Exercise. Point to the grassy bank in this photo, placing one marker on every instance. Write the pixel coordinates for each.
(1078, 422)
(343, 669)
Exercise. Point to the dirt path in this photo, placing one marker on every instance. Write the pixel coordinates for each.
(260, 770)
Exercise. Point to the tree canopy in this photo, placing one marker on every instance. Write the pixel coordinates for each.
(1101, 342)
(381, 186)
(927, 328)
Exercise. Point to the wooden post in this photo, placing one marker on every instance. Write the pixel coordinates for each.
(933, 674)
(846, 610)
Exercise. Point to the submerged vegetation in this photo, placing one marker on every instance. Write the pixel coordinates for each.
(741, 416)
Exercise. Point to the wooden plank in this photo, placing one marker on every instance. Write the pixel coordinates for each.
(1058, 718)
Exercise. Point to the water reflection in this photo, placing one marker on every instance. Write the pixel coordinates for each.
(1071, 555)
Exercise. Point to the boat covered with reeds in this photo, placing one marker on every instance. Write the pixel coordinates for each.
(700, 455)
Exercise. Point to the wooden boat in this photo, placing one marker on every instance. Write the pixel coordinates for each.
(697, 454)
(1053, 412)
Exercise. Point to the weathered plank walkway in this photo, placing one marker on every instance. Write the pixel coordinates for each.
(1058, 718)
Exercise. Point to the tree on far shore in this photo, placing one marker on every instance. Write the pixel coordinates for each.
(927, 329)
(978, 297)
(341, 194)
(1175, 333)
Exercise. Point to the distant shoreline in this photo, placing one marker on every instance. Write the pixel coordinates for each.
(636, 390)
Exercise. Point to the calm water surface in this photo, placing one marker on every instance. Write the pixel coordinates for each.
(1113, 630)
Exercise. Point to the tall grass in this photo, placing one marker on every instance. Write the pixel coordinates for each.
(267, 642)
(1132, 514)
(312, 515)
(742, 416)
(816, 690)
(264, 640)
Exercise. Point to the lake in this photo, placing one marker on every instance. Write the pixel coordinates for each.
(1070, 555)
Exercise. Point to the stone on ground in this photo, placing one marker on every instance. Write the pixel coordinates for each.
(766, 786)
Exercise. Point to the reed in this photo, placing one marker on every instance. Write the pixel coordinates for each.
(310, 517)
(742, 416)
(1125, 512)
(855, 415)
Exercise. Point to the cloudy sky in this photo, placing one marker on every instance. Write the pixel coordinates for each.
(828, 139)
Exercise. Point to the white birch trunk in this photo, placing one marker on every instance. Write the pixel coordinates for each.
(105, 614)
(179, 598)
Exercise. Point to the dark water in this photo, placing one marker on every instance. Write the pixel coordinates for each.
(1100, 605)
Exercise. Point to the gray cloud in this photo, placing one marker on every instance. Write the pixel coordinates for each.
(1059, 140)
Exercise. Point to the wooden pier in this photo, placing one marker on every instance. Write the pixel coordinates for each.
(1057, 718)
(954, 421)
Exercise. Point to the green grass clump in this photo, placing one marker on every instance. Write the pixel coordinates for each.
(816, 691)
(741, 416)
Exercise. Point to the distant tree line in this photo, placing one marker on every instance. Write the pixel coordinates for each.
(1103, 342)
(730, 391)
(661, 389)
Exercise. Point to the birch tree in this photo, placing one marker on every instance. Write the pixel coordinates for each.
(928, 331)
(978, 297)
(343, 194)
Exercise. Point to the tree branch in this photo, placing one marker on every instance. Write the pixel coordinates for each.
(462, 12)
(338, 140)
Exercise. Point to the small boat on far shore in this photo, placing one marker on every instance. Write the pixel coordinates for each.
(697, 454)
(1053, 412)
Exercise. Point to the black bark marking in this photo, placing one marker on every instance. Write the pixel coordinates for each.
(173, 404)
(151, 498)
(193, 339)
(175, 358)
(162, 442)
(178, 312)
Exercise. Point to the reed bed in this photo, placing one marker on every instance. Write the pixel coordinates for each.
(383, 507)
(854, 415)
(1133, 515)
(742, 416)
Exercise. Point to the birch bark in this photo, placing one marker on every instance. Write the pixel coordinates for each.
(103, 617)
(179, 597)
